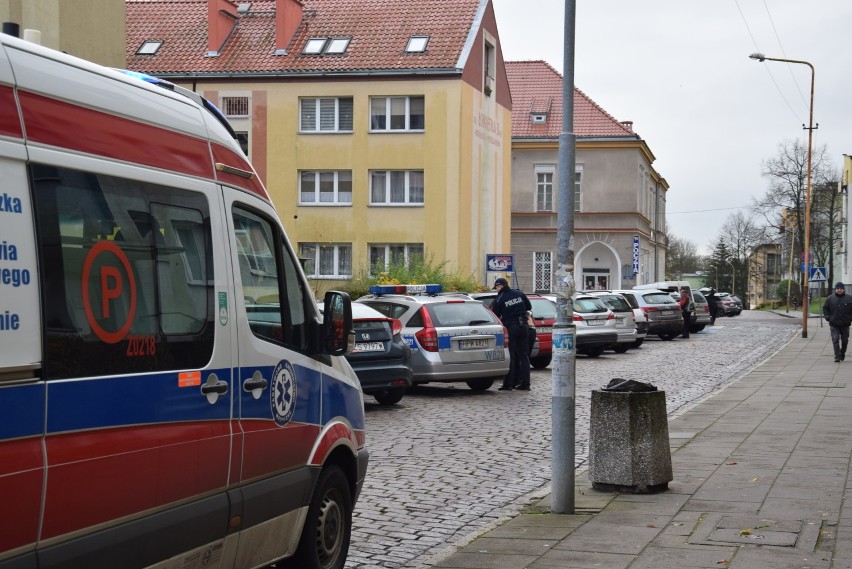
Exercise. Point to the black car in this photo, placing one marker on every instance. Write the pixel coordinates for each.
(381, 358)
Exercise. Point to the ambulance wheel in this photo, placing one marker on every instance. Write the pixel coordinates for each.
(480, 384)
(325, 538)
(389, 396)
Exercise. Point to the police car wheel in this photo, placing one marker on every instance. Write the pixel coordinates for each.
(325, 538)
(540, 362)
(389, 396)
(480, 384)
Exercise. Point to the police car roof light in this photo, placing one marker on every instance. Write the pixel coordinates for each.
(406, 289)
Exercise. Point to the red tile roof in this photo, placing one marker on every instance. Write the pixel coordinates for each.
(537, 88)
(379, 30)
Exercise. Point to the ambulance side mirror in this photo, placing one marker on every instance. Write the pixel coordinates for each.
(338, 335)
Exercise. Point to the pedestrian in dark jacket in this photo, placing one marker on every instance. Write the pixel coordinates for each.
(686, 309)
(511, 306)
(714, 304)
(838, 311)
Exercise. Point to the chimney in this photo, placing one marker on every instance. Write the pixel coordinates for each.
(288, 16)
(628, 125)
(221, 20)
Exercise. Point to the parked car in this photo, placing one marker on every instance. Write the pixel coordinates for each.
(701, 314)
(453, 338)
(625, 323)
(639, 316)
(726, 305)
(663, 313)
(595, 325)
(381, 358)
(544, 316)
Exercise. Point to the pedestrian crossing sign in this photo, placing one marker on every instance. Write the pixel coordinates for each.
(817, 275)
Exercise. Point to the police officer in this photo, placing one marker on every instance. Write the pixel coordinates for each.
(511, 306)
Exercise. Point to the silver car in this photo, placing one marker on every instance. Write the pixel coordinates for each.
(625, 324)
(453, 338)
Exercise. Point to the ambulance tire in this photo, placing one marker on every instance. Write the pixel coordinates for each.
(481, 384)
(328, 527)
(389, 396)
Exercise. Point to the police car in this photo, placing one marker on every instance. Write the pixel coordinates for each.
(453, 338)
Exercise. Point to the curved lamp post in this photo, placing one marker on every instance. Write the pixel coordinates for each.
(807, 245)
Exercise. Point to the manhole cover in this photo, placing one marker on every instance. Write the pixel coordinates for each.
(720, 529)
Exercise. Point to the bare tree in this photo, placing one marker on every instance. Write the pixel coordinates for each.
(826, 227)
(681, 257)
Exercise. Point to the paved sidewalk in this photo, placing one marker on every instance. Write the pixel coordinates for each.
(761, 473)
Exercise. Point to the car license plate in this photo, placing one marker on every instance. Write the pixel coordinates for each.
(595, 322)
(473, 344)
(619, 321)
(544, 330)
(368, 347)
(494, 355)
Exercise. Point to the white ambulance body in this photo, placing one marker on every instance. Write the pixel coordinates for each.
(169, 396)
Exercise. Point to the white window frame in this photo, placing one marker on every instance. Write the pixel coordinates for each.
(388, 113)
(417, 44)
(318, 176)
(314, 252)
(387, 190)
(409, 250)
(540, 186)
(578, 188)
(318, 110)
(542, 271)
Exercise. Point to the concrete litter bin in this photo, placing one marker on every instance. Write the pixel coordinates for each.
(629, 438)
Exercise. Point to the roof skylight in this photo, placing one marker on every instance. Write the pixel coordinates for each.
(149, 47)
(315, 46)
(417, 44)
(337, 45)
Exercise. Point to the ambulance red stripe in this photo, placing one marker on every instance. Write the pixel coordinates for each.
(10, 124)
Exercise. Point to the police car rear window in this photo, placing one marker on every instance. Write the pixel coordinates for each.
(460, 314)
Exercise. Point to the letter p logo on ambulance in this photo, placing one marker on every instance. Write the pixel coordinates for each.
(108, 266)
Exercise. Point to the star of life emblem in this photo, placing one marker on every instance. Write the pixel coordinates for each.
(283, 393)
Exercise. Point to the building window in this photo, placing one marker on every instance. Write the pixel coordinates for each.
(332, 187)
(243, 141)
(397, 113)
(383, 256)
(542, 271)
(327, 260)
(236, 107)
(489, 64)
(396, 187)
(544, 189)
(578, 194)
(417, 44)
(333, 114)
(149, 47)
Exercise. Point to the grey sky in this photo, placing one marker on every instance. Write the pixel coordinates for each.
(679, 69)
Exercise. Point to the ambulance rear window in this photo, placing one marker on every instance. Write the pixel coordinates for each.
(127, 274)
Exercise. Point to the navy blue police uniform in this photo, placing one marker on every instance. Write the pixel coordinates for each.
(511, 306)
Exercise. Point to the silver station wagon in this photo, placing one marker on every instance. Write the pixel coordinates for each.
(453, 338)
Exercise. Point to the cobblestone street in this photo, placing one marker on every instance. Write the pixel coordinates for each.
(447, 463)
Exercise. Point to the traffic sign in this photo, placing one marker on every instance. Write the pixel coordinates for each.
(817, 275)
(810, 256)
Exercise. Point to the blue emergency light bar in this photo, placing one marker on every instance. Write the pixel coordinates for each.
(406, 289)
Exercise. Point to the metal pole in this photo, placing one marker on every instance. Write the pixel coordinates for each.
(807, 245)
(564, 332)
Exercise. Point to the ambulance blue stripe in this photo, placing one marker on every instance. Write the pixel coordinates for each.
(98, 403)
(307, 396)
(342, 400)
(22, 409)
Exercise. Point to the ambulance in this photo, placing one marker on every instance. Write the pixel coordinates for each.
(169, 396)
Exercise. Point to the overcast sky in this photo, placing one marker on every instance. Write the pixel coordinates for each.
(679, 69)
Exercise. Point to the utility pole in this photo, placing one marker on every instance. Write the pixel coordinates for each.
(564, 364)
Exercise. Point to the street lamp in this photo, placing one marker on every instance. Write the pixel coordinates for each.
(807, 246)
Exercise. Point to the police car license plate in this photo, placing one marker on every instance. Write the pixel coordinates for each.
(595, 322)
(544, 330)
(369, 347)
(494, 355)
(473, 344)
(619, 321)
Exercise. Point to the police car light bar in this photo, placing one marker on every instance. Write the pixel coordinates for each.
(406, 289)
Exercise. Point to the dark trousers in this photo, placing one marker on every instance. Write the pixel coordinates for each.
(839, 339)
(519, 357)
(687, 317)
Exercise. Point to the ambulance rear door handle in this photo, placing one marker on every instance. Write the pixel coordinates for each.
(255, 384)
(213, 388)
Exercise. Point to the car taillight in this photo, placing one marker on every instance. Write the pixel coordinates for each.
(610, 316)
(505, 337)
(577, 318)
(427, 336)
(647, 309)
(706, 308)
(396, 326)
